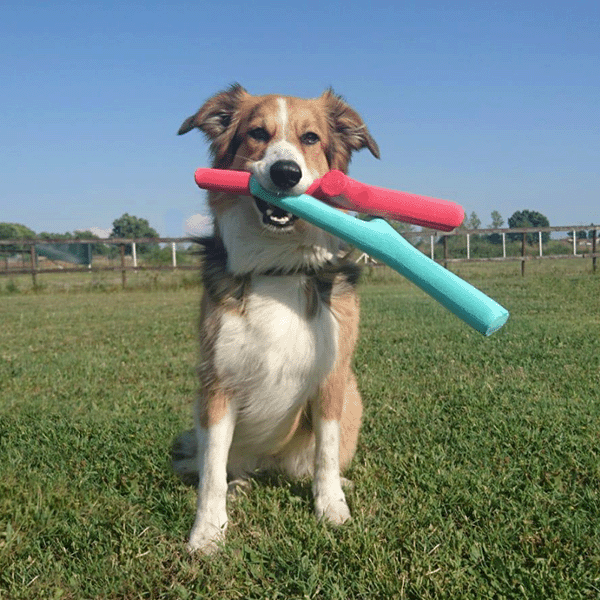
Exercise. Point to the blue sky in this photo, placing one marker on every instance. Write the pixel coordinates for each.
(495, 105)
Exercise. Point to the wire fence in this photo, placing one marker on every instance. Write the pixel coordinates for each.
(34, 256)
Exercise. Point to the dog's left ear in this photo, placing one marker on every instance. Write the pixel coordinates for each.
(348, 131)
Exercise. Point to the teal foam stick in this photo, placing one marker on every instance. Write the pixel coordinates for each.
(378, 239)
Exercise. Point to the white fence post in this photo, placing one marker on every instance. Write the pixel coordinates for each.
(134, 254)
(468, 246)
(574, 244)
(540, 241)
(432, 250)
(503, 245)
(174, 254)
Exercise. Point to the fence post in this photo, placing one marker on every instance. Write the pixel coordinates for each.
(174, 255)
(134, 254)
(594, 250)
(523, 250)
(468, 246)
(123, 271)
(445, 252)
(540, 241)
(574, 244)
(33, 265)
(503, 244)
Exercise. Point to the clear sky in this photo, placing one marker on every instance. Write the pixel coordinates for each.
(495, 105)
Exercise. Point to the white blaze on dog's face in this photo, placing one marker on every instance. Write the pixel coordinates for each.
(286, 143)
(288, 137)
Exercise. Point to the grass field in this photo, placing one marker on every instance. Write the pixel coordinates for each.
(477, 475)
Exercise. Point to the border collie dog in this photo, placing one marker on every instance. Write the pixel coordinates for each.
(280, 313)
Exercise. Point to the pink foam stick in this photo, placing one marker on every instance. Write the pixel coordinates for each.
(344, 192)
(238, 182)
(222, 180)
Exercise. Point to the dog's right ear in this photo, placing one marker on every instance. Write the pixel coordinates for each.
(216, 118)
(216, 114)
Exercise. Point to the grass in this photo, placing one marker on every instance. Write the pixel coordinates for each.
(477, 476)
(98, 281)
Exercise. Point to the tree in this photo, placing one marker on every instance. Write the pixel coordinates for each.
(473, 222)
(497, 222)
(88, 235)
(128, 226)
(44, 235)
(14, 231)
(528, 218)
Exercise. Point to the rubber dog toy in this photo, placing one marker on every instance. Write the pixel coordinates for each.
(344, 192)
(379, 240)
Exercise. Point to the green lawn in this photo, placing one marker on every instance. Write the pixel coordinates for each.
(477, 475)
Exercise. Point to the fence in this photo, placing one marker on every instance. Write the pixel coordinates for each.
(524, 255)
(125, 255)
(123, 258)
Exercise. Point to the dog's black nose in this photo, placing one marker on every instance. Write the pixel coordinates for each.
(285, 174)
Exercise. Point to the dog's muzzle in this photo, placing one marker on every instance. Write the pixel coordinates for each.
(284, 174)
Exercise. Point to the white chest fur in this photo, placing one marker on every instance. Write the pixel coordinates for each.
(273, 356)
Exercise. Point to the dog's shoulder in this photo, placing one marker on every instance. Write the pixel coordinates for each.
(221, 286)
(339, 278)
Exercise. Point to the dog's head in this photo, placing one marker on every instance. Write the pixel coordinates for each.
(286, 143)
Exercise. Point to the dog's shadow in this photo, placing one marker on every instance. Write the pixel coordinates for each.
(184, 464)
(300, 489)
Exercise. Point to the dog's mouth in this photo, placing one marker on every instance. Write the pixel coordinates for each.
(273, 216)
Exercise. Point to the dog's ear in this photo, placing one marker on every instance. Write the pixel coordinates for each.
(217, 119)
(348, 132)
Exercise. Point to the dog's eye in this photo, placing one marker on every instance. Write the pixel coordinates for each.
(309, 138)
(260, 134)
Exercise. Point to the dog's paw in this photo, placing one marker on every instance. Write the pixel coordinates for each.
(335, 511)
(206, 538)
(346, 484)
(238, 486)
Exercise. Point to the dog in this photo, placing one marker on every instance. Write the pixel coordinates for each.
(279, 314)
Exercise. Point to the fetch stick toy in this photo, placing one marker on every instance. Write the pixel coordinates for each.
(378, 239)
(342, 191)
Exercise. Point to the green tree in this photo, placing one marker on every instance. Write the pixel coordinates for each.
(473, 222)
(45, 235)
(14, 231)
(88, 235)
(528, 218)
(497, 222)
(128, 226)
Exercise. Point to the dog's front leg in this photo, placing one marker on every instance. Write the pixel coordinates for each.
(330, 501)
(214, 441)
